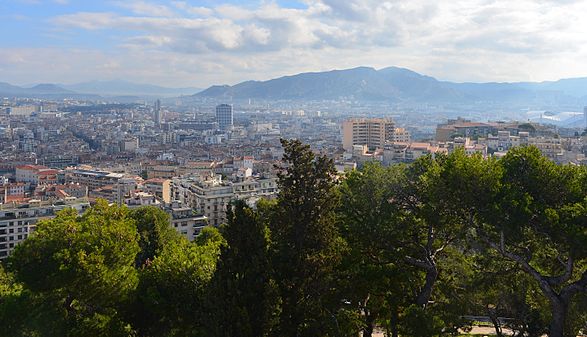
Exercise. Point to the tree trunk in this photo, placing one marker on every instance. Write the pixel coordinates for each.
(495, 321)
(394, 323)
(369, 325)
(559, 310)
(426, 292)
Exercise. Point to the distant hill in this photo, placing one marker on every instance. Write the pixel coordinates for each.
(47, 88)
(97, 90)
(45, 91)
(125, 88)
(398, 85)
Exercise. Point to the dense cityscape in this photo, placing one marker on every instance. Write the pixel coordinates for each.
(293, 168)
(149, 154)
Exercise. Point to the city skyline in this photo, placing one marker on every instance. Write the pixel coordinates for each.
(201, 43)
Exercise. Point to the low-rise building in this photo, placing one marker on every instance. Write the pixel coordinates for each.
(36, 175)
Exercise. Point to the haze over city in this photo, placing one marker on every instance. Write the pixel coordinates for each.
(201, 43)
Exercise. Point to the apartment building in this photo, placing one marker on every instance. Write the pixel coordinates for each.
(409, 152)
(551, 147)
(185, 220)
(211, 195)
(12, 192)
(373, 132)
(93, 179)
(161, 188)
(36, 175)
(18, 221)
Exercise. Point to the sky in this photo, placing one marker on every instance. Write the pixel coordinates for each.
(198, 43)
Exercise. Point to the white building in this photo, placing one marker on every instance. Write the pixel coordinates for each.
(186, 221)
(17, 221)
(211, 196)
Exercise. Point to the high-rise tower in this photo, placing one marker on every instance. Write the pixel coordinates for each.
(224, 116)
(157, 115)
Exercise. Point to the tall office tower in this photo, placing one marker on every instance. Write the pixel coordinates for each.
(157, 115)
(224, 116)
(373, 132)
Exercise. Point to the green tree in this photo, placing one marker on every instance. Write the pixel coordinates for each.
(371, 278)
(409, 221)
(539, 223)
(154, 231)
(499, 289)
(427, 218)
(14, 306)
(79, 271)
(305, 242)
(241, 286)
(172, 291)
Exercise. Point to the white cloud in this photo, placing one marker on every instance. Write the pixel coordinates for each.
(145, 8)
(450, 39)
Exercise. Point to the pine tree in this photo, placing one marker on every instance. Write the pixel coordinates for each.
(240, 288)
(305, 247)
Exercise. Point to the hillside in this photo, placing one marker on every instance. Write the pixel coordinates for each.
(398, 85)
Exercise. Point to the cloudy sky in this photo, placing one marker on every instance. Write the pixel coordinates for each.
(204, 42)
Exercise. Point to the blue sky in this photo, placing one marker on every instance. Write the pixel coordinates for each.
(205, 42)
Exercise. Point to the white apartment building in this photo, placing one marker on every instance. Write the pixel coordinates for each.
(92, 178)
(550, 147)
(18, 221)
(211, 196)
(186, 221)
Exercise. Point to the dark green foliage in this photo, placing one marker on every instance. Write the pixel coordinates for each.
(240, 290)
(305, 242)
(538, 222)
(154, 232)
(171, 294)
(78, 272)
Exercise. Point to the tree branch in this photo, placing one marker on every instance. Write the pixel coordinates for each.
(576, 287)
(558, 280)
(417, 263)
(542, 281)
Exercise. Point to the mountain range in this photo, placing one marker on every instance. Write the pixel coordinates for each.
(391, 84)
(399, 85)
(94, 90)
(125, 88)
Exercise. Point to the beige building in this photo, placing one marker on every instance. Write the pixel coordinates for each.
(159, 187)
(373, 132)
(401, 135)
(36, 174)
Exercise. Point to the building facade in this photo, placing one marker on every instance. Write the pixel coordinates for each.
(18, 221)
(211, 196)
(224, 116)
(372, 132)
